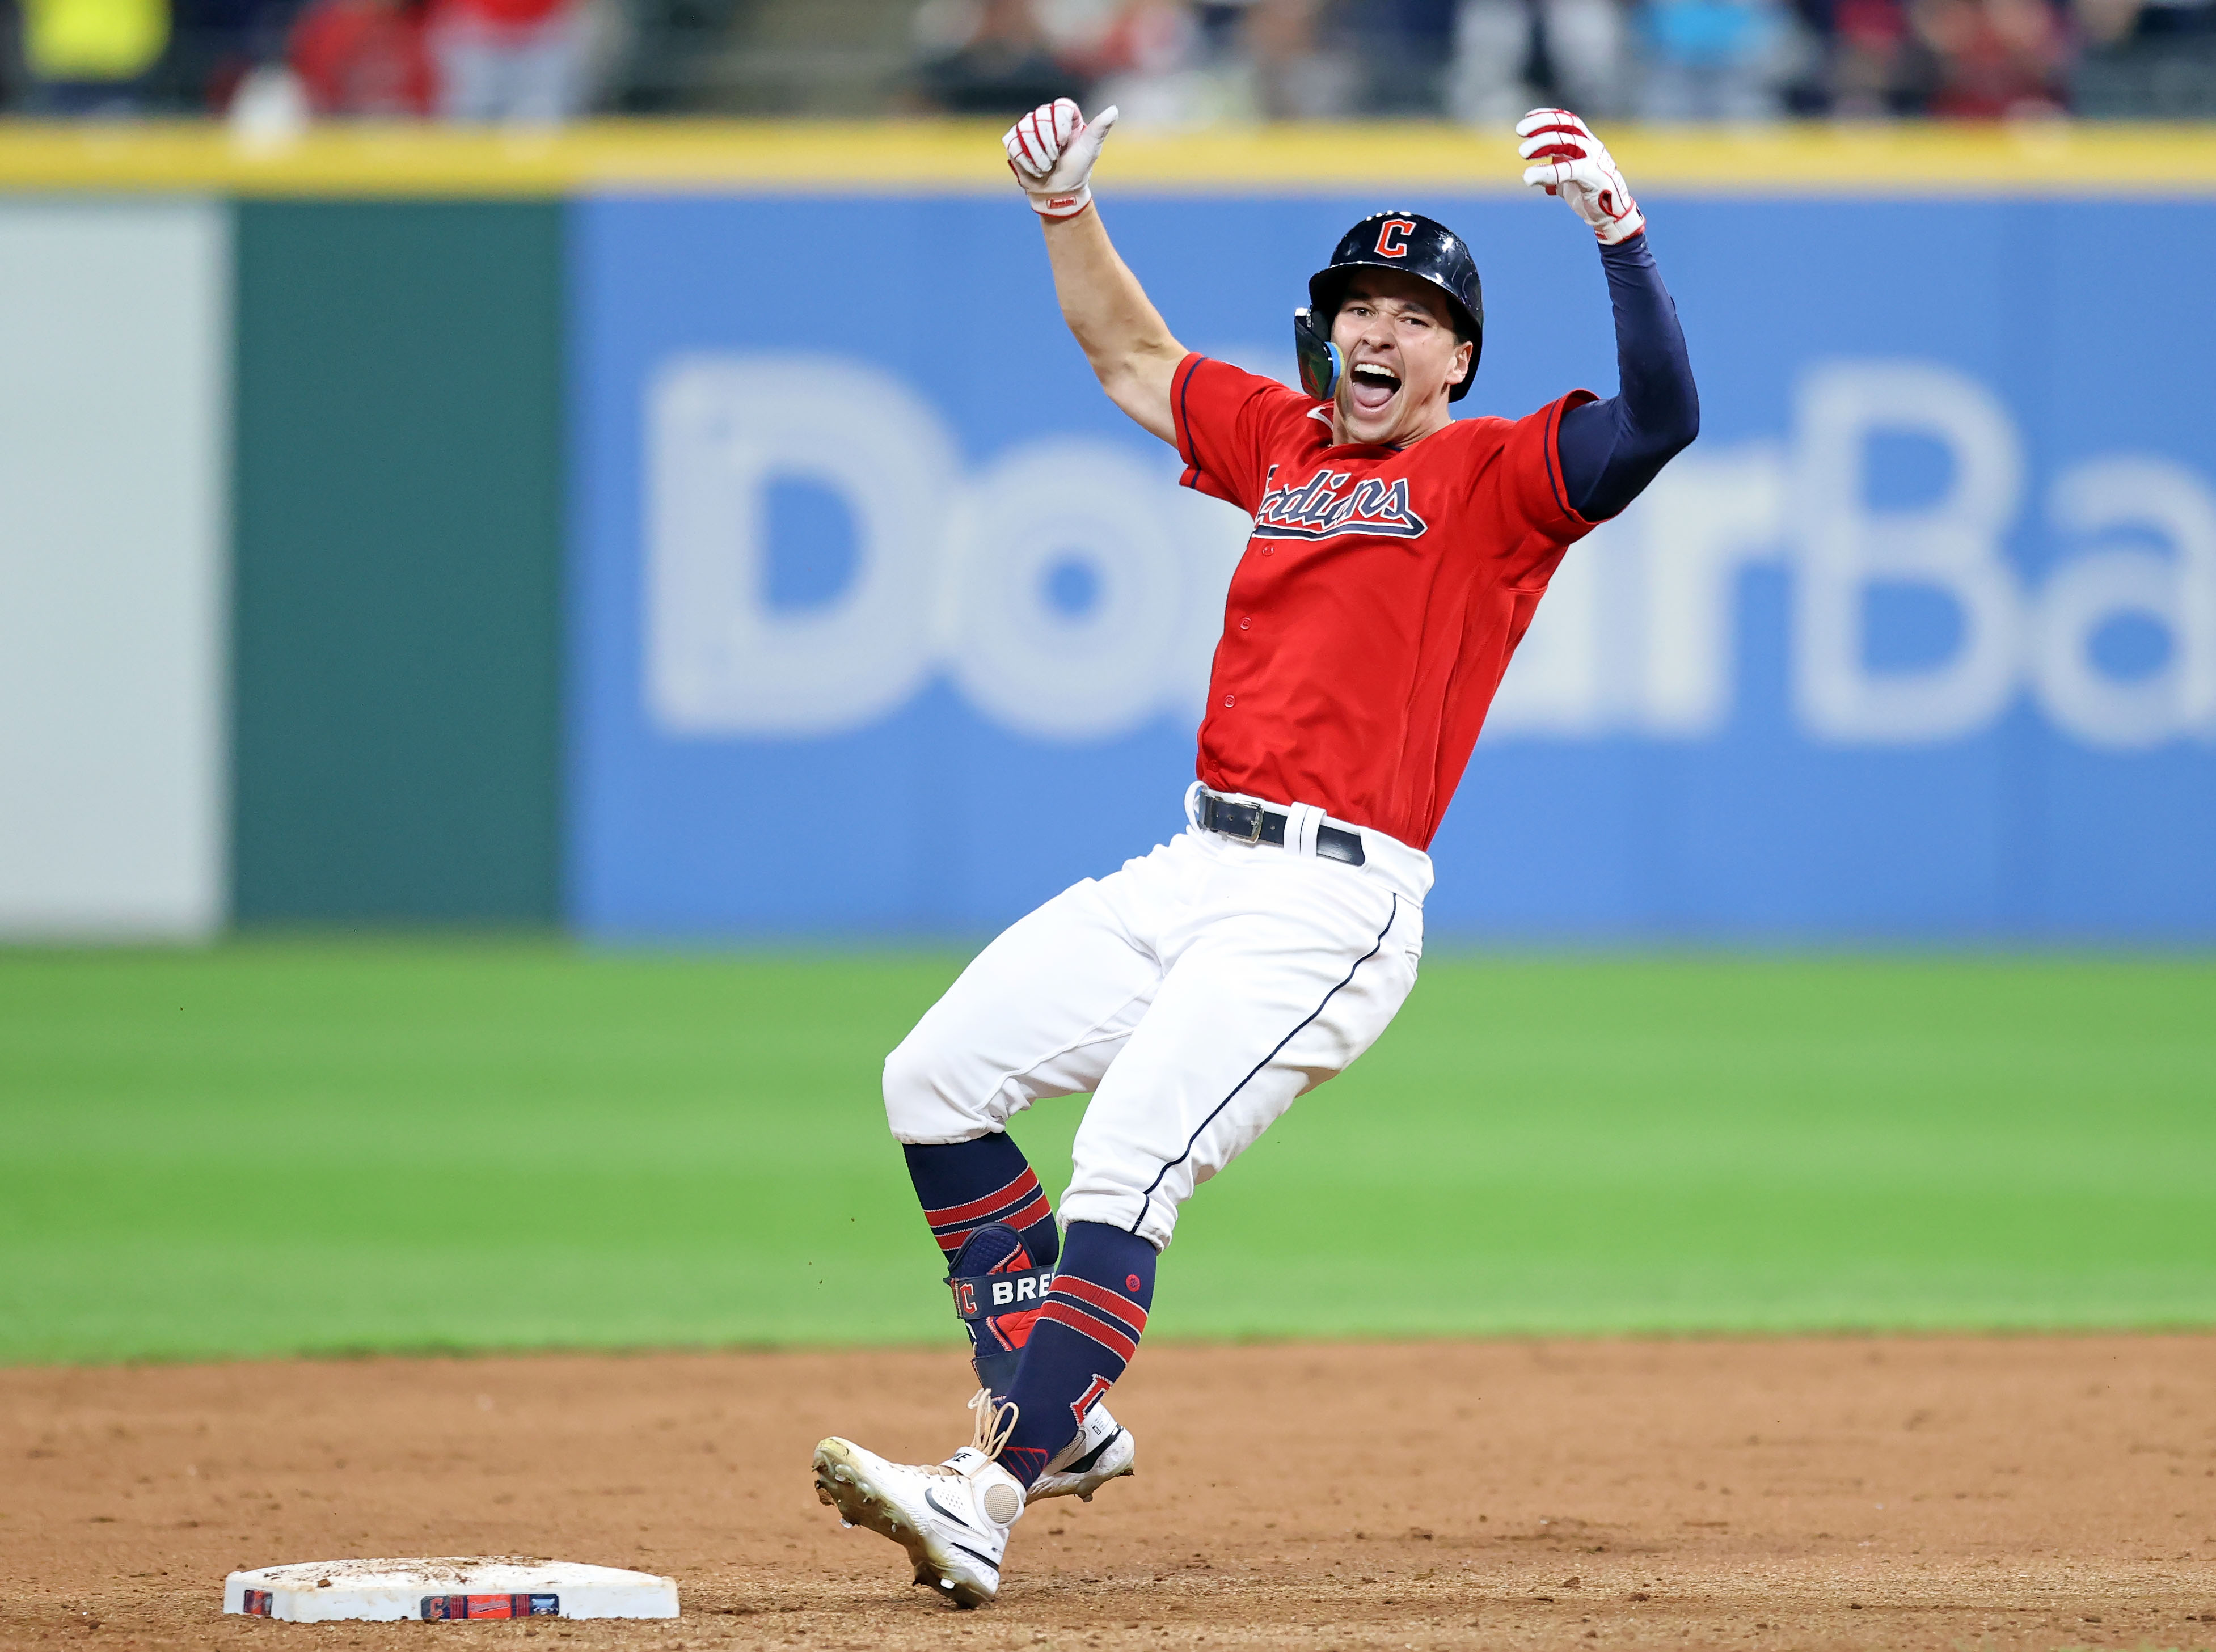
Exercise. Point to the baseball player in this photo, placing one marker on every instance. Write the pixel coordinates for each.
(1397, 558)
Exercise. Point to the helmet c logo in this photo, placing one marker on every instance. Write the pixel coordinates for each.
(1392, 237)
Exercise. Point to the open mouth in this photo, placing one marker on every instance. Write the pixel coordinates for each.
(1372, 384)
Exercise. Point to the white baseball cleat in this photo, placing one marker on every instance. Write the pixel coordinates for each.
(951, 1517)
(1103, 1451)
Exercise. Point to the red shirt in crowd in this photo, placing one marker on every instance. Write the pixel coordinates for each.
(1379, 600)
(363, 56)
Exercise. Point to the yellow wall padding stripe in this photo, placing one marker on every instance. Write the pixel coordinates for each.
(2049, 158)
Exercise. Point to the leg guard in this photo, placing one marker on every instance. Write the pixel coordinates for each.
(997, 1290)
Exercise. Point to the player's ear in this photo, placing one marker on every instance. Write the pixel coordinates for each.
(1464, 352)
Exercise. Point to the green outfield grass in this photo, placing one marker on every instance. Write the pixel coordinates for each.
(273, 1147)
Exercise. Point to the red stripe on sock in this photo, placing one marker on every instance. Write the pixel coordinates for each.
(1102, 1327)
(1105, 1301)
(1022, 1187)
(1086, 1324)
(1038, 1210)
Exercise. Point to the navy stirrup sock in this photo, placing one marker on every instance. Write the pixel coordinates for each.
(1084, 1337)
(967, 1185)
(996, 1227)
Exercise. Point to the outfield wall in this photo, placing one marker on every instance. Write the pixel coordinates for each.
(399, 555)
(114, 443)
(1918, 641)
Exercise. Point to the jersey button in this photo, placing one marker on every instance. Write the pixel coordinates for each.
(1265, 550)
(1245, 621)
(1230, 700)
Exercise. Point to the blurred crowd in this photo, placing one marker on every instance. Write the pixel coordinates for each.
(1166, 63)
(1484, 62)
(283, 63)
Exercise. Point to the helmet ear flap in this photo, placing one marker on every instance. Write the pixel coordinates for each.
(1321, 362)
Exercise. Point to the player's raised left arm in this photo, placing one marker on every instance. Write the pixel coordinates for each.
(1051, 152)
(1611, 450)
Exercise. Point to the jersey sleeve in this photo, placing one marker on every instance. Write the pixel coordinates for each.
(1534, 494)
(1525, 493)
(1224, 417)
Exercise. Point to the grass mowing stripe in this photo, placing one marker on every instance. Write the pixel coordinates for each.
(270, 1147)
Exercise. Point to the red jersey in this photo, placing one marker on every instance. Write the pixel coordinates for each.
(1379, 600)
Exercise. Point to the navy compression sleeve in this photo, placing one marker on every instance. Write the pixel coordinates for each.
(1611, 450)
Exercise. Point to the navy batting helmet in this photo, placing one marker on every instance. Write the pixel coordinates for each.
(1402, 241)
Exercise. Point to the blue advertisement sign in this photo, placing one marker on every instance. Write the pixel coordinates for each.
(886, 622)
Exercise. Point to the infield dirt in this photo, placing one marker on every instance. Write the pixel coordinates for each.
(1849, 1492)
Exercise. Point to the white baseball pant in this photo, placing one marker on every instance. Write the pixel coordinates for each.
(1195, 993)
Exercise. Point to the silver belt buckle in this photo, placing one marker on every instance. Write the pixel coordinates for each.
(1255, 836)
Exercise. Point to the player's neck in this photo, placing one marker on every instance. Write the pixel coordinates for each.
(1399, 434)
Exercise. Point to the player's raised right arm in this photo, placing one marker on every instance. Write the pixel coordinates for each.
(1051, 152)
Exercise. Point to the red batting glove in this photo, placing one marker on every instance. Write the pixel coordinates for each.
(1570, 161)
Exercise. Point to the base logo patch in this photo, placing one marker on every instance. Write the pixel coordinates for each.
(447, 1608)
